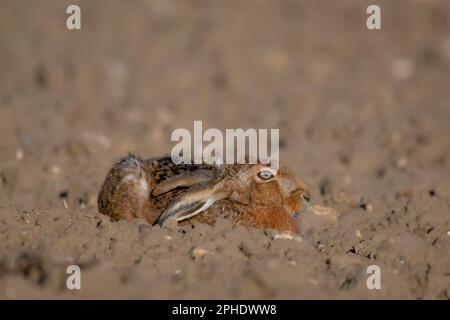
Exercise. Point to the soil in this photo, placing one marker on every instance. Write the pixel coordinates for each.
(363, 115)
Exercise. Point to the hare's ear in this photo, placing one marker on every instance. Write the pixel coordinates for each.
(186, 179)
(192, 203)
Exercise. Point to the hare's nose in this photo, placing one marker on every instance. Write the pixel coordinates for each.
(306, 196)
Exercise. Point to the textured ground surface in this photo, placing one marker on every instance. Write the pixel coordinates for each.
(364, 118)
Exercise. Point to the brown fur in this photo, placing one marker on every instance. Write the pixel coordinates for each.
(156, 190)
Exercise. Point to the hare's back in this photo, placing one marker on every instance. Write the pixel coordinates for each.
(169, 180)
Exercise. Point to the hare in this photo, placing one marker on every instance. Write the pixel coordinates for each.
(252, 195)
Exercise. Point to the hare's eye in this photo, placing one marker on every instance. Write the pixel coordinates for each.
(265, 174)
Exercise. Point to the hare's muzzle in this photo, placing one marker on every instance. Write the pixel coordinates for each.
(306, 196)
(301, 201)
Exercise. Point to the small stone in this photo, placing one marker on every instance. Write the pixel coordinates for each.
(358, 234)
(403, 69)
(323, 211)
(401, 163)
(287, 236)
(366, 206)
(199, 253)
(19, 154)
(56, 170)
(292, 262)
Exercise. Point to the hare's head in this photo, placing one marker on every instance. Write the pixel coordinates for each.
(262, 185)
(252, 185)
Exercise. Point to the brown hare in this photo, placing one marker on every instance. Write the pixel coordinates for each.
(252, 195)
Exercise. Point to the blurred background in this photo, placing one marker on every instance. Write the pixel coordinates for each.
(348, 100)
(364, 112)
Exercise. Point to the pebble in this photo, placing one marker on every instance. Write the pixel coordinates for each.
(19, 154)
(200, 253)
(56, 170)
(403, 69)
(323, 211)
(401, 163)
(287, 236)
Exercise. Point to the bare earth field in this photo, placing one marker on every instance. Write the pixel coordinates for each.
(364, 119)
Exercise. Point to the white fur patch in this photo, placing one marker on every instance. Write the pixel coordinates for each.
(143, 187)
(140, 185)
(130, 177)
(205, 206)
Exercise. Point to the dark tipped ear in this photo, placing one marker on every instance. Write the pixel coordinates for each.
(186, 179)
(192, 203)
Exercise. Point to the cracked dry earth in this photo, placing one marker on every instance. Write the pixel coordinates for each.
(363, 119)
